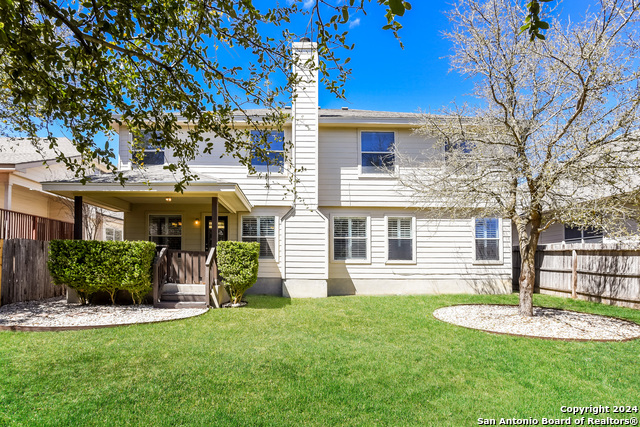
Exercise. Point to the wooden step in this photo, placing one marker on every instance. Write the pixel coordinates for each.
(183, 297)
(179, 304)
(184, 289)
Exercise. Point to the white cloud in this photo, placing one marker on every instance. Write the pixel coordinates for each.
(308, 3)
(354, 23)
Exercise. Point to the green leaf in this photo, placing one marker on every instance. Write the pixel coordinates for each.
(397, 7)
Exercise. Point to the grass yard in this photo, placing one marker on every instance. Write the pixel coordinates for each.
(333, 361)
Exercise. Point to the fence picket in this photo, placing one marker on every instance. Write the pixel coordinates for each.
(598, 272)
(25, 276)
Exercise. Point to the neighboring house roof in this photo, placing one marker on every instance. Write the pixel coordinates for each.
(15, 151)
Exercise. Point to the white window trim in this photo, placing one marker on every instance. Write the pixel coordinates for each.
(182, 216)
(350, 261)
(391, 174)
(414, 235)
(500, 244)
(104, 233)
(288, 161)
(564, 236)
(129, 165)
(276, 235)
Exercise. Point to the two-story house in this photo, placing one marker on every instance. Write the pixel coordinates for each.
(351, 229)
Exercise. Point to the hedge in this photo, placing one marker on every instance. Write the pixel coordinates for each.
(91, 266)
(238, 267)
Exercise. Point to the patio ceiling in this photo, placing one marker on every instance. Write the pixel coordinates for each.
(121, 198)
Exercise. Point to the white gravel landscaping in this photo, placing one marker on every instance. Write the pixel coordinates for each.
(546, 322)
(56, 312)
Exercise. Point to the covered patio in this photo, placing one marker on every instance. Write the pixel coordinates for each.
(181, 224)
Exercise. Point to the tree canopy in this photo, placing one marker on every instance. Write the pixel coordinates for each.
(555, 136)
(146, 63)
(83, 64)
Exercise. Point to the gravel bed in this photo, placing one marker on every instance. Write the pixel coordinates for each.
(55, 312)
(546, 322)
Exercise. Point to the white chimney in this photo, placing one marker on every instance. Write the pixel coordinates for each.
(305, 121)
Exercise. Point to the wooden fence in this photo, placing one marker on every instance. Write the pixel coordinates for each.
(607, 273)
(24, 273)
(17, 225)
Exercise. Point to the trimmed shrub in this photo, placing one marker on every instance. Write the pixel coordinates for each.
(238, 267)
(90, 266)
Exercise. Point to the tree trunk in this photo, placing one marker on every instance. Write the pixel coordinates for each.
(527, 281)
(528, 247)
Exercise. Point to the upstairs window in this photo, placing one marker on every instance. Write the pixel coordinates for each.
(269, 156)
(350, 239)
(487, 239)
(261, 229)
(377, 152)
(166, 231)
(147, 151)
(457, 149)
(400, 239)
(577, 235)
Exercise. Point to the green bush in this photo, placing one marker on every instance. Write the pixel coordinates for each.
(238, 267)
(90, 266)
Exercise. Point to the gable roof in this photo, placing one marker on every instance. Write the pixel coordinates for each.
(15, 151)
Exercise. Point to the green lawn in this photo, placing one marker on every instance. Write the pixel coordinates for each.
(333, 361)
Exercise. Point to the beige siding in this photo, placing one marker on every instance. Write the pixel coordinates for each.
(553, 234)
(306, 245)
(29, 201)
(124, 140)
(136, 226)
(269, 268)
(340, 182)
(444, 250)
(274, 191)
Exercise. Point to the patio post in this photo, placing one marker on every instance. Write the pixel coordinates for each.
(214, 234)
(214, 222)
(77, 218)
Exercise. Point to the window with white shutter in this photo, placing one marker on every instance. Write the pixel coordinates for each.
(260, 229)
(400, 239)
(350, 238)
(487, 239)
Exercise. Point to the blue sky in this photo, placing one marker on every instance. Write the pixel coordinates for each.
(388, 78)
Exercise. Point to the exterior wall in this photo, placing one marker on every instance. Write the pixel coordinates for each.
(136, 226)
(110, 222)
(221, 166)
(29, 201)
(444, 260)
(306, 252)
(27, 195)
(340, 181)
(136, 222)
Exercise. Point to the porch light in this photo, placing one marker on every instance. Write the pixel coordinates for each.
(168, 199)
(197, 221)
